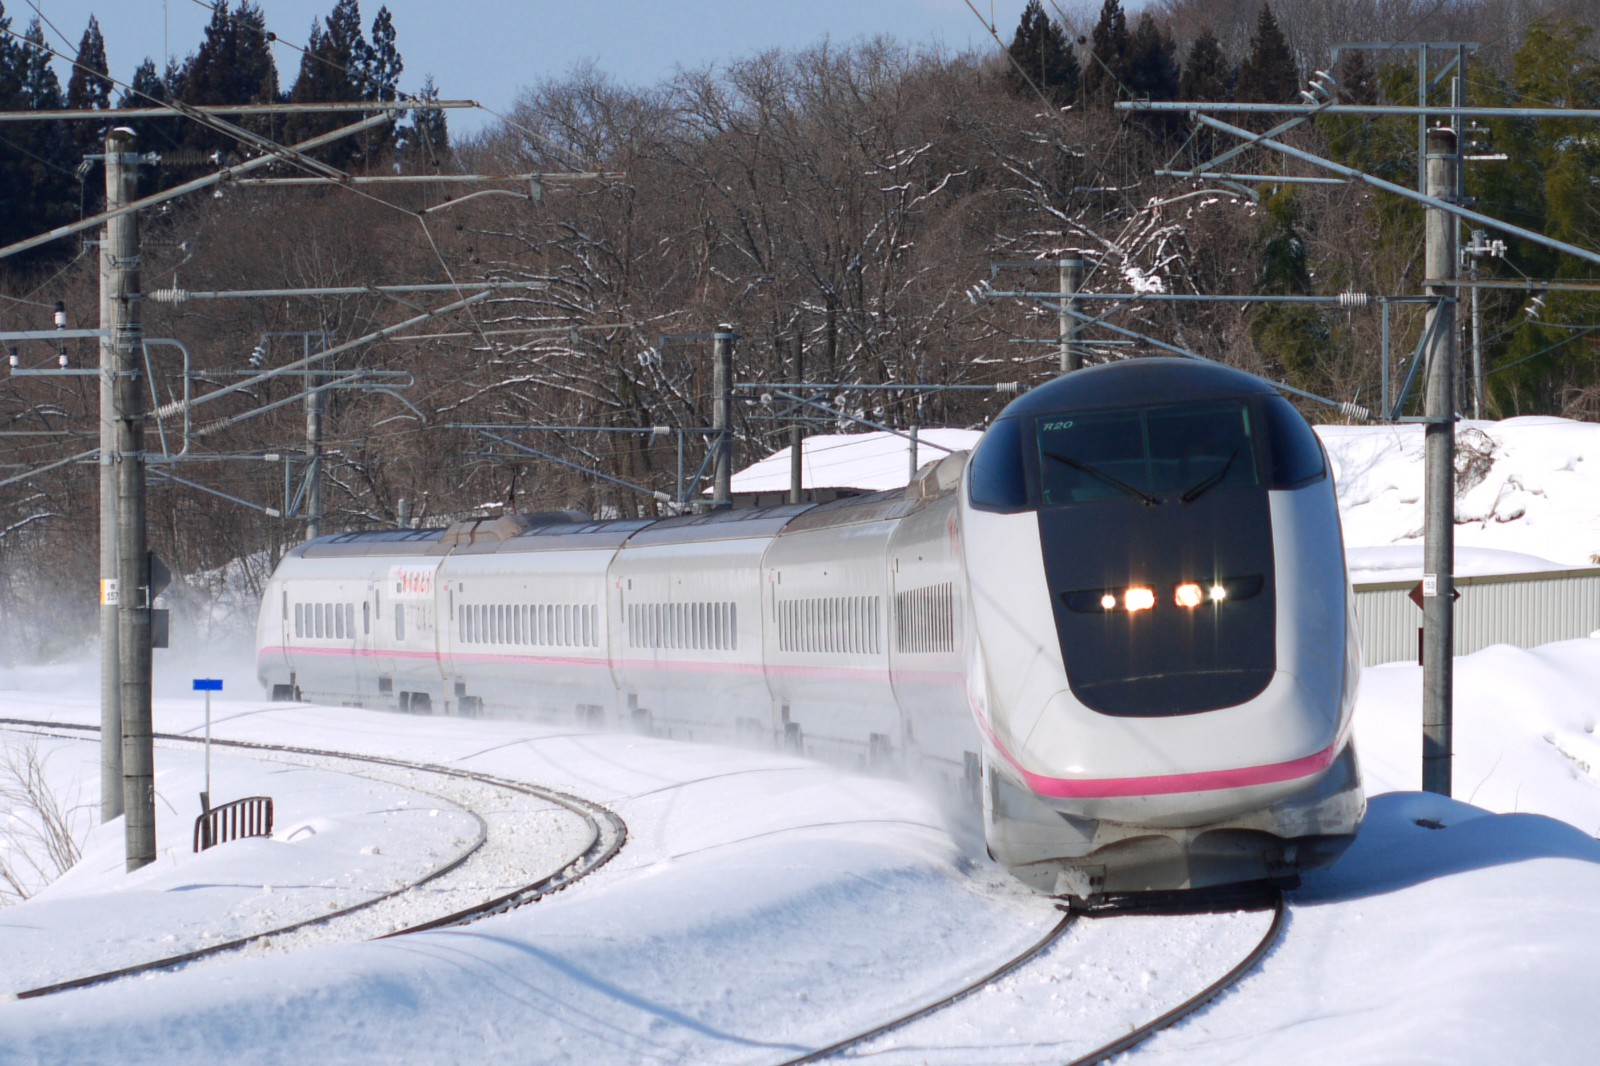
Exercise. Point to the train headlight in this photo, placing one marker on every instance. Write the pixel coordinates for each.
(1139, 599)
(1108, 602)
(1219, 593)
(1188, 594)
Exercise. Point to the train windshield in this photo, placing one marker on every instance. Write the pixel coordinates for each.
(1151, 454)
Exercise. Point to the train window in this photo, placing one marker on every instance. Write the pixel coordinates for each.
(399, 622)
(733, 627)
(317, 620)
(366, 618)
(1176, 451)
(299, 620)
(350, 620)
(338, 623)
(995, 478)
(1296, 452)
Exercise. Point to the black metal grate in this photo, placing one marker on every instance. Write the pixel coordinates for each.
(248, 817)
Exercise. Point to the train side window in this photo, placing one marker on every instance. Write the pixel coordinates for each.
(366, 618)
(1296, 452)
(336, 626)
(300, 620)
(399, 622)
(996, 480)
(320, 618)
(733, 627)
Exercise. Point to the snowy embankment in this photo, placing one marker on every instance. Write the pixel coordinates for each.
(765, 905)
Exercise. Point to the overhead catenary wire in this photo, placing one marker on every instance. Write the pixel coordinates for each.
(316, 167)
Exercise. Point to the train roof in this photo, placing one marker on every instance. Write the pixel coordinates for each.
(1136, 382)
(576, 531)
(736, 524)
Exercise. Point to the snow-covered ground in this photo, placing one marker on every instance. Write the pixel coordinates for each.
(766, 905)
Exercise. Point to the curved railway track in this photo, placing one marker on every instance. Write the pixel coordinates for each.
(1100, 1054)
(606, 834)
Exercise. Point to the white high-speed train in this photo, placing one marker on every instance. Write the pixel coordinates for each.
(1123, 620)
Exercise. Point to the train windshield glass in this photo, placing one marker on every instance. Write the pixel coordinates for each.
(1152, 454)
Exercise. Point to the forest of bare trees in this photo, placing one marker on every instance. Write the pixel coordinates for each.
(852, 195)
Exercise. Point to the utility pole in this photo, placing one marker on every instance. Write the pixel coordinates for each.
(1438, 576)
(796, 435)
(110, 687)
(313, 462)
(1071, 325)
(133, 557)
(915, 401)
(722, 385)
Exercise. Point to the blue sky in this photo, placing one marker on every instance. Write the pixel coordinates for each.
(487, 50)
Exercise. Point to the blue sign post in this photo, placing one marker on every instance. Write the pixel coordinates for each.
(208, 685)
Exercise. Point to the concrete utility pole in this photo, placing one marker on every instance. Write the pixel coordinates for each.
(1438, 576)
(796, 434)
(314, 401)
(1071, 325)
(110, 688)
(722, 442)
(133, 556)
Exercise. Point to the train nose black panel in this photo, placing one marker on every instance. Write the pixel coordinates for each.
(1167, 658)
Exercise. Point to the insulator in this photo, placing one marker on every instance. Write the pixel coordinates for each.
(1355, 299)
(169, 296)
(1355, 412)
(1008, 388)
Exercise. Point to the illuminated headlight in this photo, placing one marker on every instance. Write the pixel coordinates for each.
(1187, 594)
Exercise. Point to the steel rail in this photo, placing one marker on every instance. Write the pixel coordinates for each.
(1099, 1054)
(937, 1005)
(1144, 1032)
(603, 845)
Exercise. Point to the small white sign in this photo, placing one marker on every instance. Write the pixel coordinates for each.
(1430, 584)
(108, 592)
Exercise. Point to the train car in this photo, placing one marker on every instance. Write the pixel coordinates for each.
(1123, 624)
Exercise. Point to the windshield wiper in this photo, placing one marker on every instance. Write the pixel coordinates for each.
(1116, 483)
(1210, 481)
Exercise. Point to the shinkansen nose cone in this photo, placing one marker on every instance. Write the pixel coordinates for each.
(1150, 482)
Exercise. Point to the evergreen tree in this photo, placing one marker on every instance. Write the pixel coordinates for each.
(38, 188)
(1152, 69)
(424, 142)
(1206, 74)
(233, 65)
(1268, 74)
(13, 198)
(1296, 336)
(89, 87)
(1041, 49)
(1547, 185)
(1103, 75)
(1356, 85)
(340, 65)
(380, 80)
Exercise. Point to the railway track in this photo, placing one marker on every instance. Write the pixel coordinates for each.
(1098, 1054)
(604, 836)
